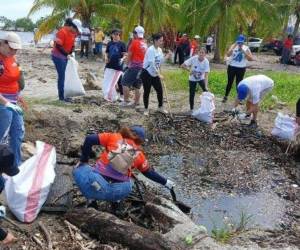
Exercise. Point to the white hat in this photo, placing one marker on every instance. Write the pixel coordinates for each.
(139, 31)
(197, 37)
(77, 24)
(13, 39)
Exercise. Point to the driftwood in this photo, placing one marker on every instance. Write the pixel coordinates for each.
(47, 235)
(108, 228)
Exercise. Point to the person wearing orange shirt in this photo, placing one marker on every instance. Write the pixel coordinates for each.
(11, 115)
(63, 48)
(132, 76)
(195, 45)
(110, 178)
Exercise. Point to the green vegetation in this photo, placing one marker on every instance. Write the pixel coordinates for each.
(287, 84)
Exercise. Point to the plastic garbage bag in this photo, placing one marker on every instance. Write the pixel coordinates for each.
(110, 80)
(27, 191)
(73, 85)
(285, 127)
(207, 107)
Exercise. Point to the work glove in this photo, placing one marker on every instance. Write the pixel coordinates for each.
(14, 108)
(170, 184)
(2, 212)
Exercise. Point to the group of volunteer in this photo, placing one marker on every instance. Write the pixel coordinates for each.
(110, 178)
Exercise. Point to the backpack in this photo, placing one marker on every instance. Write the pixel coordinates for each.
(122, 158)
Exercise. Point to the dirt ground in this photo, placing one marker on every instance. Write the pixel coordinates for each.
(226, 158)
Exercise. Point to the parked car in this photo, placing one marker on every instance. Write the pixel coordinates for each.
(295, 49)
(254, 43)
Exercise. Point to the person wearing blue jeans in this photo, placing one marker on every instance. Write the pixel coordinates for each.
(60, 65)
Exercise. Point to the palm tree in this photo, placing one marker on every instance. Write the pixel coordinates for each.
(230, 17)
(82, 9)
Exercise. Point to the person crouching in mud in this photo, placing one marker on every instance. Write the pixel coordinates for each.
(110, 178)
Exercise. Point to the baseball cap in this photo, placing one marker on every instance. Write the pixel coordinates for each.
(242, 91)
(139, 131)
(116, 31)
(139, 31)
(77, 23)
(7, 161)
(13, 39)
(240, 39)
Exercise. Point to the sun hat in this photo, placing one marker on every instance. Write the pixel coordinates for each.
(13, 40)
(139, 31)
(7, 161)
(240, 39)
(242, 90)
(78, 25)
(139, 131)
(197, 37)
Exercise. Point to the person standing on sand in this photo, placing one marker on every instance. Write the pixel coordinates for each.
(99, 38)
(63, 48)
(239, 55)
(11, 114)
(85, 41)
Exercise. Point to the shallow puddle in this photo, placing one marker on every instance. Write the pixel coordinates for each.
(264, 210)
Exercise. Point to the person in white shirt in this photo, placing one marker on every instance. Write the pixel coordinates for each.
(255, 88)
(239, 55)
(151, 75)
(85, 41)
(199, 68)
(209, 42)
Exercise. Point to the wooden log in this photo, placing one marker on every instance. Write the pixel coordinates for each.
(108, 228)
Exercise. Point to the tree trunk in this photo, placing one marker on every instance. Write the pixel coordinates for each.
(142, 12)
(217, 54)
(296, 28)
(108, 228)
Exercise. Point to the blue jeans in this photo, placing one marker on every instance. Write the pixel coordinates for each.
(98, 48)
(93, 186)
(12, 128)
(60, 65)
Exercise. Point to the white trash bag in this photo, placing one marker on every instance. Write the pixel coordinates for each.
(110, 80)
(285, 127)
(73, 85)
(207, 107)
(27, 191)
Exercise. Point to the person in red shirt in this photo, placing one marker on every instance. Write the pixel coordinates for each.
(63, 47)
(287, 48)
(11, 115)
(132, 76)
(195, 45)
(109, 179)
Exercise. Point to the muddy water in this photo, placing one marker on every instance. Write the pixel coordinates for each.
(263, 210)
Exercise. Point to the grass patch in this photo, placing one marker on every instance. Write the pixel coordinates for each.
(287, 84)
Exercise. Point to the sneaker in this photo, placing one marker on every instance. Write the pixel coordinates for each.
(162, 110)
(224, 99)
(252, 124)
(137, 106)
(126, 104)
(146, 112)
(121, 98)
(68, 100)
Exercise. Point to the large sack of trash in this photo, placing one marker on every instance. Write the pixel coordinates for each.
(207, 107)
(73, 85)
(285, 127)
(27, 191)
(110, 80)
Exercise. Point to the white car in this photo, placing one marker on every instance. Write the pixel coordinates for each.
(254, 43)
(295, 48)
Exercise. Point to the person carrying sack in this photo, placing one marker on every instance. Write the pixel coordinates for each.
(7, 166)
(110, 178)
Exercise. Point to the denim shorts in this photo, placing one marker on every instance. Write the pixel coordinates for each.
(132, 78)
(94, 186)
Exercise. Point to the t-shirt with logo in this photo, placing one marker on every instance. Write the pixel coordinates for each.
(115, 51)
(238, 58)
(111, 141)
(154, 57)
(138, 49)
(85, 34)
(198, 68)
(66, 38)
(9, 77)
(257, 86)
